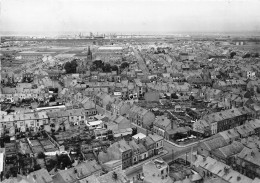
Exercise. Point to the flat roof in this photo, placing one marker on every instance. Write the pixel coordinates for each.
(35, 52)
(110, 48)
(94, 122)
(139, 135)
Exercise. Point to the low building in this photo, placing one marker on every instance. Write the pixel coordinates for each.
(156, 171)
(77, 173)
(248, 162)
(158, 143)
(210, 168)
(207, 147)
(141, 117)
(227, 153)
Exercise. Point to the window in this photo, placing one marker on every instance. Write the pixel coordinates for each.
(32, 123)
(162, 172)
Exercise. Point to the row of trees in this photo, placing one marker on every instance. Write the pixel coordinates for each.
(99, 65)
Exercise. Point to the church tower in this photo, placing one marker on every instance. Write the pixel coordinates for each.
(89, 54)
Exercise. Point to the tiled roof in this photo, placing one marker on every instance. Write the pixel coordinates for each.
(80, 171)
(250, 155)
(232, 149)
(117, 176)
(215, 143)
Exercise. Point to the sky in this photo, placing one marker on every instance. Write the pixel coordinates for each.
(129, 16)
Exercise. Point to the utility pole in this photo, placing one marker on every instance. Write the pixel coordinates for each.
(172, 155)
(191, 156)
(186, 157)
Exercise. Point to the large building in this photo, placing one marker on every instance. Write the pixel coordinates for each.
(111, 54)
(84, 62)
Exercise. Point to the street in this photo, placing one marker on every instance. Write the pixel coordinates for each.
(174, 151)
(141, 62)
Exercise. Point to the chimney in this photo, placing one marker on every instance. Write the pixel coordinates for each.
(171, 124)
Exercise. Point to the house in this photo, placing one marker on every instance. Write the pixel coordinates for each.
(162, 124)
(247, 162)
(210, 168)
(81, 171)
(39, 176)
(73, 116)
(205, 148)
(245, 130)
(141, 116)
(103, 99)
(120, 107)
(89, 106)
(150, 145)
(229, 135)
(122, 122)
(255, 124)
(116, 176)
(24, 121)
(227, 119)
(158, 143)
(202, 127)
(140, 87)
(227, 153)
(156, 171)
(143, 152)
(120, 150)
(135, 151)
(248, 72)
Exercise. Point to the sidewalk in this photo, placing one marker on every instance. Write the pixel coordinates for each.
(181, 146)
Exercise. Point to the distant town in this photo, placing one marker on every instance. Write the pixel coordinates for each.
(130, 108)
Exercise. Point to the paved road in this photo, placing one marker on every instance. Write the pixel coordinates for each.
(141, 62)
(181, 153)
(174, 152)
(178, 151)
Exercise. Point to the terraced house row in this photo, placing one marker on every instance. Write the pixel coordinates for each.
(220, 121)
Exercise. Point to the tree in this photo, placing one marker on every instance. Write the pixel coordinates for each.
(174, 96)
(64, 160)
(258, 89)
(255, 55)
(41, 155)
(134, 131)
(98, 64)
(247, 55)
(232, 54)
(114, 68)
(71, 67)
(124, 65)
(106, 67)
(191, 97)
